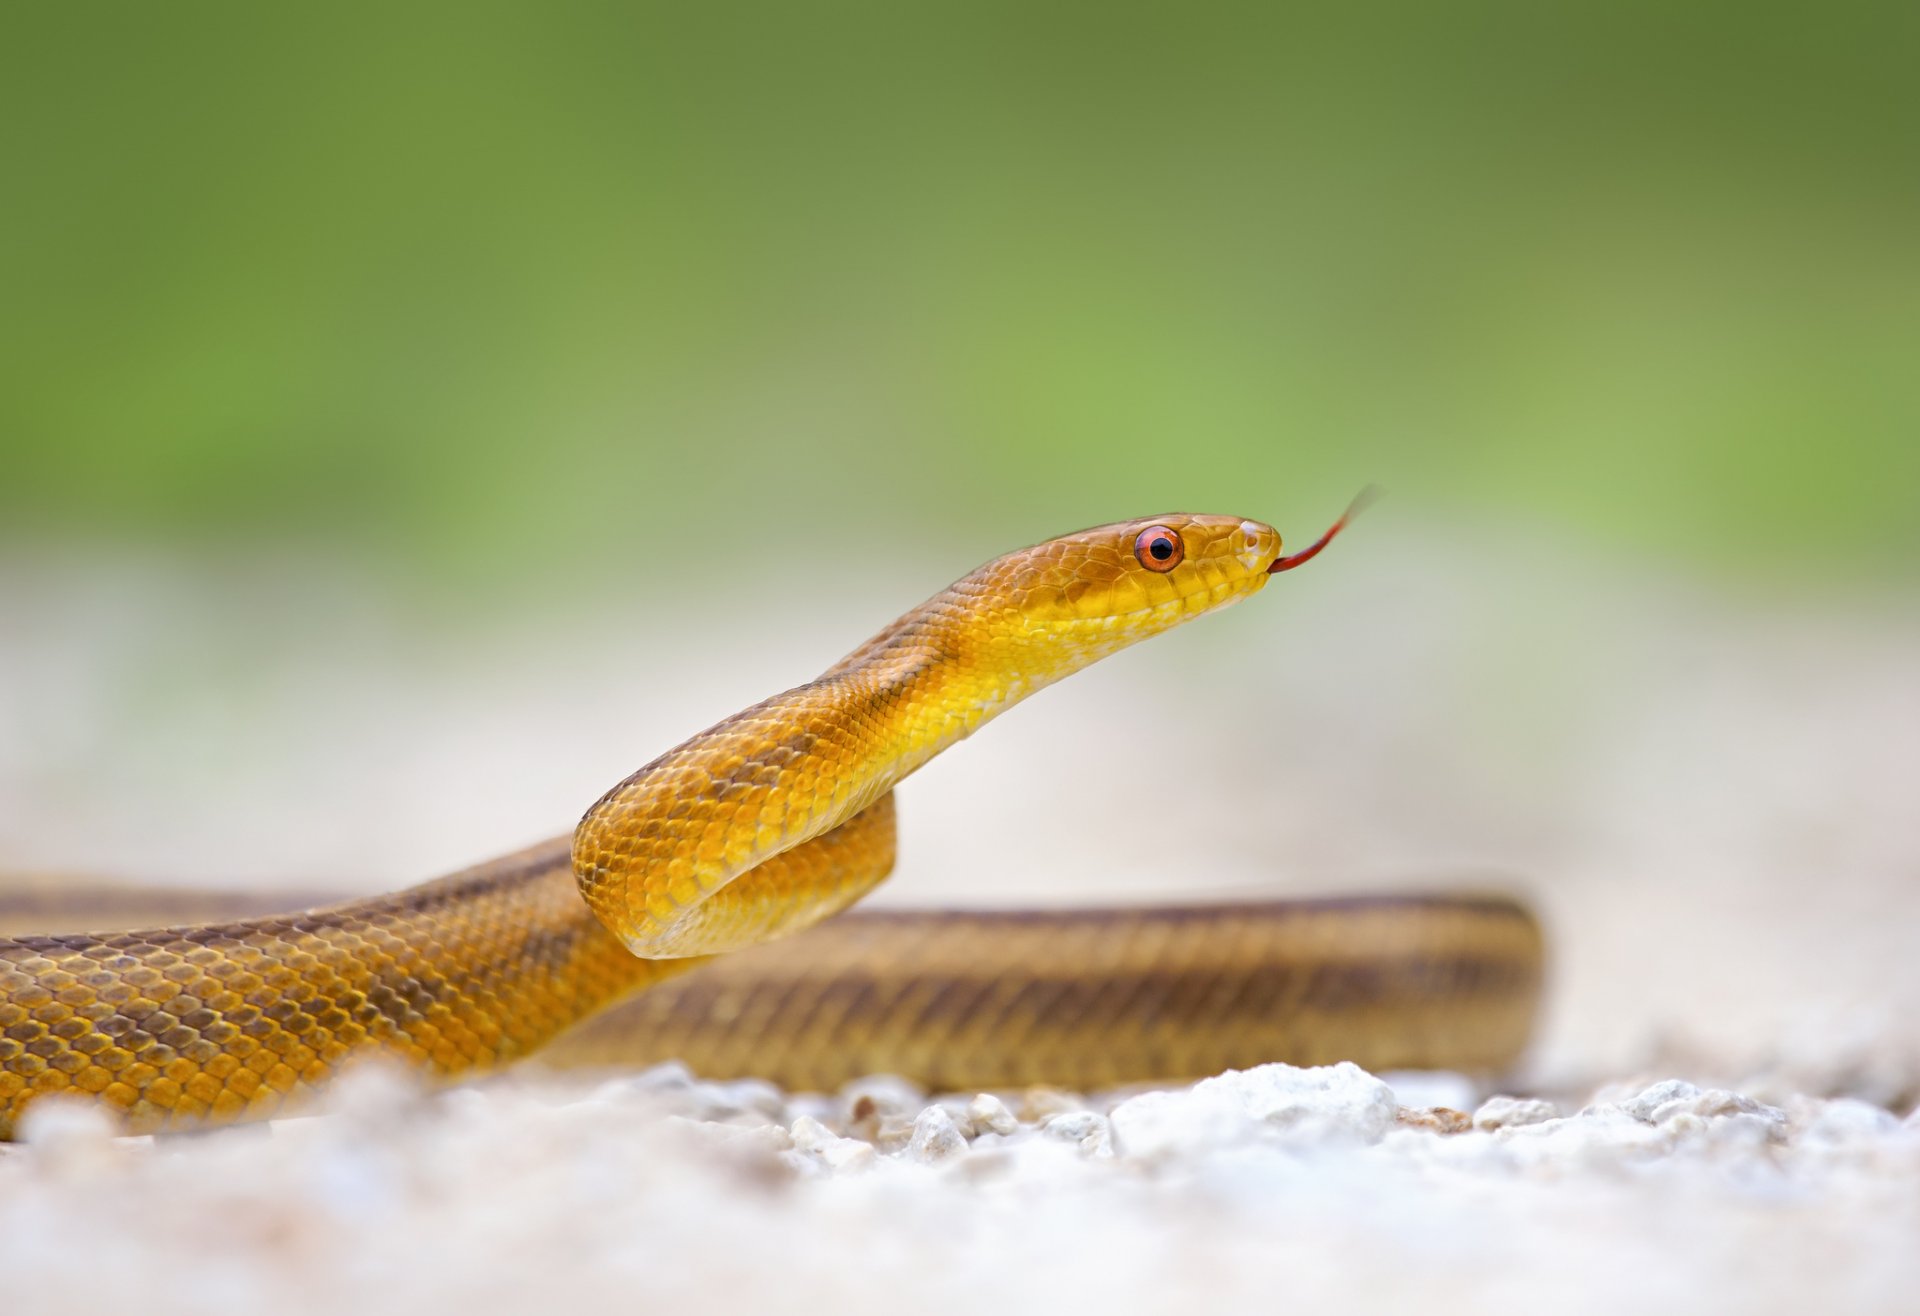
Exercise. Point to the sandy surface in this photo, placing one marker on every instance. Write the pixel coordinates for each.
(1710, 797)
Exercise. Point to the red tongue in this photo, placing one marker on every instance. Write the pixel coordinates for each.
(1354, 508)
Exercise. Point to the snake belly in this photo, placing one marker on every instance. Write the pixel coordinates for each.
(763, 827)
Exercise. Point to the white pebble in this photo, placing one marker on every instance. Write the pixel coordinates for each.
(1684, 1110)
(1642, 1104)
(1512, 1112)
(1599, 1136)
(935, 1137)
(841, 1155)
(1090, 1132)
(988, 1114)
(1334, 1103)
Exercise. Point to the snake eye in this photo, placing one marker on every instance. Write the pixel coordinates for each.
(1159, 549)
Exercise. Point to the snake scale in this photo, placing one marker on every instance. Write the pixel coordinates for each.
(731, 853)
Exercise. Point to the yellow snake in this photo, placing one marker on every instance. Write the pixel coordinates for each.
(762, 826)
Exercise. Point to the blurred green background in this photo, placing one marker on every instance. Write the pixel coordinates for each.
(501, 292)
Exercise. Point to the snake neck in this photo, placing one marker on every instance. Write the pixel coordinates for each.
(789, 770)
(950, 666)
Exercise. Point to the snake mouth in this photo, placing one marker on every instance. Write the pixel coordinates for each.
(1288, 561)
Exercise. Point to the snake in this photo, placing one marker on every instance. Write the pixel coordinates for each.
(699, 912)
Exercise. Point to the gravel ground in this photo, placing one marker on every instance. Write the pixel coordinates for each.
(1708, 794)
(1316, 1188)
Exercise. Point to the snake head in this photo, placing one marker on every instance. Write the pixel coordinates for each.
(1051, 609)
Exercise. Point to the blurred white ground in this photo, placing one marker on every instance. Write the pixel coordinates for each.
(1709, 792)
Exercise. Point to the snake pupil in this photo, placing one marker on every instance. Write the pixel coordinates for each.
(1162, 549)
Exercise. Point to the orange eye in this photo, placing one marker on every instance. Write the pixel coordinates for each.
(1159, 549)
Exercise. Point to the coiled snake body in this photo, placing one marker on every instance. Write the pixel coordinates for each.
(763, 826)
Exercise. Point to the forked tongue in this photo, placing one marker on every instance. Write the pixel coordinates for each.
(1359, 504)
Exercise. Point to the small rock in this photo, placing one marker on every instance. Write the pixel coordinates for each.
(840, 1155)
(1434, 1119)
(1599, 1136)
(1512, 1112)
(988, 1114)
(1332, 1104)
(1037, 1104)
(935, 1137)
(958, 1108)
(1684, 1110)
(1645, 1102)
(1090, 1132)
(810, 1135)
